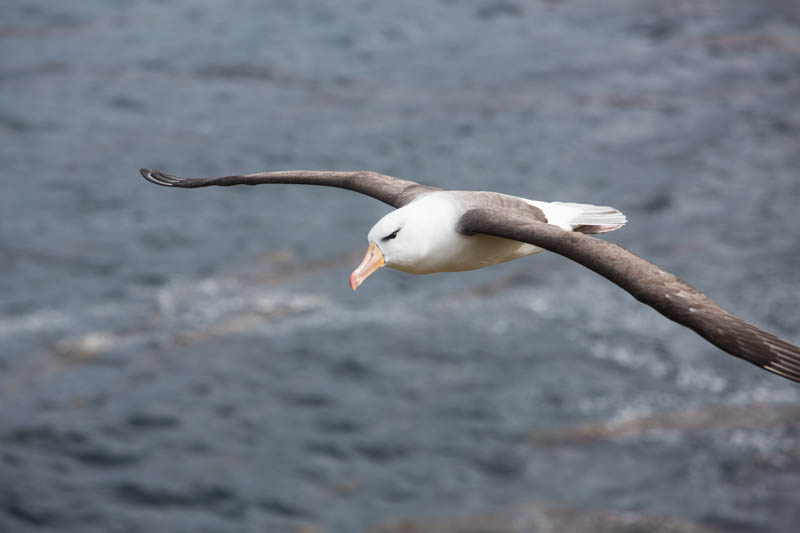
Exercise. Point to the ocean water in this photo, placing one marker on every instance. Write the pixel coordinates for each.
(193, 360)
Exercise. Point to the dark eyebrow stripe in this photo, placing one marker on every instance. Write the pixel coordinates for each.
(388, 236)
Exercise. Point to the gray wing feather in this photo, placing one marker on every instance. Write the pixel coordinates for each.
(494, 200)
(393, 191)
(666, 293)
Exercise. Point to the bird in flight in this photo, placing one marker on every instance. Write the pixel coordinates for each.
(434, 230)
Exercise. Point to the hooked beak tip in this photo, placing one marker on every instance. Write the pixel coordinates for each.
(373, 260)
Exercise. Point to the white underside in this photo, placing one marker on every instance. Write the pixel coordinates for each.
(469, 253)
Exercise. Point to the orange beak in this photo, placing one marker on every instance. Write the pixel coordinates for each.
(372, 261)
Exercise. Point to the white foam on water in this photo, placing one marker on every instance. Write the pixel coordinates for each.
(35, 322)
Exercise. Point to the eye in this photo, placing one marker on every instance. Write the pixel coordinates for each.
(391, 235)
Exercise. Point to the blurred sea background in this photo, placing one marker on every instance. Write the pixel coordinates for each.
(194, 361)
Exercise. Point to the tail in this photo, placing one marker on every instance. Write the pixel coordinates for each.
(587, 218)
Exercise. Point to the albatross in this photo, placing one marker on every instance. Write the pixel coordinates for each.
(435, 230)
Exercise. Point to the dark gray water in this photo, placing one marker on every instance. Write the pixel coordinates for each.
(194, 360)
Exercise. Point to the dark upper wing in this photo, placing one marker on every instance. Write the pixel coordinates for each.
(666, 293)
(393, 191)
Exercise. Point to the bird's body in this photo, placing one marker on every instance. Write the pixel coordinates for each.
(432, 220)
(432, 230)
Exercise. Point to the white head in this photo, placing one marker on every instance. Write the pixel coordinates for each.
(407, 239)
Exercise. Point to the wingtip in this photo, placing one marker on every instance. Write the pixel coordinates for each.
(159, 178)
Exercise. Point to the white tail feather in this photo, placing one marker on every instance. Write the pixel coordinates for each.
(587, 218)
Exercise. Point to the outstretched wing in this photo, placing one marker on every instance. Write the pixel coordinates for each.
(666, 293)
(393, 191)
